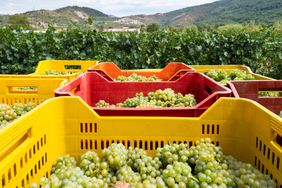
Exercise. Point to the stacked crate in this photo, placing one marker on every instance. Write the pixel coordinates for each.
(71, 124)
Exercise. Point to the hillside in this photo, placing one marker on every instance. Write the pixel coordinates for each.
(67, 16)
(219, 12)
(224, 11)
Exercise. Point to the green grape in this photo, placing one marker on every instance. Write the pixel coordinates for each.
(63, 162)
(224, 82)
(115, 155)
(159, 98)
(29, 88)
(173, 153)
(212, 74)
(10, 113)
(90, 164)
(20, 109)
(126, 174)
(246, 175)
(174, 165)
(238, 78)
(222, 77)
(177, 174)
(236, 74)
(137, 78)
(57, 73)
(249, 77)
(269, 93)
(102, 103)
(145, 165)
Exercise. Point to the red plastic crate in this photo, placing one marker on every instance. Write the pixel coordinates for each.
(172, 71)
(250, 90)
(92, 87)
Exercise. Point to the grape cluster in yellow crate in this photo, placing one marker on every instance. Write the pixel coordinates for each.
(10, 113)
(175, 165)
(223, 77)
(137, 78)
(157, 99)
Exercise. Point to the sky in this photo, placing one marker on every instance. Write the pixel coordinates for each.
(111, 7)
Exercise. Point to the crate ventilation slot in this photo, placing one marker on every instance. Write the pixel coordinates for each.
(210, 129)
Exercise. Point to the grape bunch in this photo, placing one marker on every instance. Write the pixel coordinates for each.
(137, 78)
(269, 93)
(244, 175)
(173, 153)
(174, 165)
(157, 99)
(126, 174)
(145, 165)
(208, 166)
(102, 103)
(10, 113)
(65, 173)
(115, 155)
(223, 77)
(90, 164)
(178, 174)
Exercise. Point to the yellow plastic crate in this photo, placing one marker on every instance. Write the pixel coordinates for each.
(66, 125)
(228, 68)
(24, 89)
(74, 67)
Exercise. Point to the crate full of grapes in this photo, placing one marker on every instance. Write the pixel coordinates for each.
(64, 143)
(225, 73)
(68, 69)
(21, 93)
(188, 96)
(266, 92)
(172, 71)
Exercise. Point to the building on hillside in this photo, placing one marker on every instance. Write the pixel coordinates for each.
(128, 21)
(3, 24)
(125, 29)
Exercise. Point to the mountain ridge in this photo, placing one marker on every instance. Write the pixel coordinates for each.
(218, 12)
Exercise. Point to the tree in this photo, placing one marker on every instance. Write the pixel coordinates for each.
(90, 21)
(153, 27)
(277, 26)
(101, 27)
(18, 20)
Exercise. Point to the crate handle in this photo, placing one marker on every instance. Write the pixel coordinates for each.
(276, 133)
(179, 74)
(104, 74)
(23, 89)
(19, 140)
(77, 67)
(279, 140)
(75, 89)
(69, 89)
(208, 89)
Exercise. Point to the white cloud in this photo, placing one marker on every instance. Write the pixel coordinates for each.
(113, 7)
